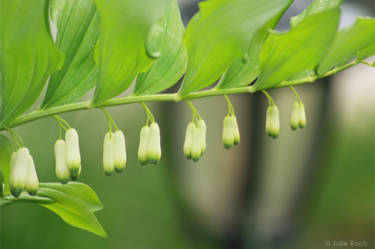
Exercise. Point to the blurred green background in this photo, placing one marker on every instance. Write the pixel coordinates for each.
(307, 189)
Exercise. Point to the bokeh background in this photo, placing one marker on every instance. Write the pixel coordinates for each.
(307, 189)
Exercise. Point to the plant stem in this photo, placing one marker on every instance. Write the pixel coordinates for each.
(172, 97)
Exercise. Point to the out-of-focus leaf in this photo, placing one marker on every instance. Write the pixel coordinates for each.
(315, 7)
(220, 34)
(167, 38)
(366, 52)
(348, 41)
(121, 50)
(6, 149)
(243, 72)
(78, 30)
(27, 55)
(75, 203)
(285, 55)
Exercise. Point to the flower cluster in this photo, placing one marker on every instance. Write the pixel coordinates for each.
(195, 140)
(23, 175)
(149, 150)
(231, 133)
(298, 117)
(68, 157)
(114, 152)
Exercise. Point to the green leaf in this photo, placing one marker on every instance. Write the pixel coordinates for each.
(366, 52)
(167, 40)
(348, 41)
(315, 7)
(78, 30)
(6, 149)
(220, 34)
(285, 55)
(121, 50)
(74, 203)
(243, 72)
(27, 55)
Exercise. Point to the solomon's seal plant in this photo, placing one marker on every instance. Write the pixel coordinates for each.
(108, 45)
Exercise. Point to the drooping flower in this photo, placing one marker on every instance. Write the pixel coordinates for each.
(188, 143)
(108, 154)
(302, 116)
(229, 131)
(203, 129)
(62, 171)
(273, 121)
(32, 182)
(18, 171)
(154, 146)
(295, 116)
(73, 155)
(143, 145)
(119, 150)
(237, 138)
(196, 150)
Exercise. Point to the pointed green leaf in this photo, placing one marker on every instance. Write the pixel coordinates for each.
(121, 50)
(243, 72)
(285, 55)
(6, 149)
(220, 34)
(77, 25)
(348, 42)
(75, 204)
(167, 38)
(366, 52)
(315, 7)
(27, 55)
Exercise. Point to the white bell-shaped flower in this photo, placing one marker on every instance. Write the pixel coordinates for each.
(273, 121)
(196, 150)
(302, 116)
(229, 131)
(32, 182)
(108, 154)
(203, 129)
(294, 118)
(143, 145)
(62, 171)
(188, 143)
(154, 146)
(119, 150)
(73, 155)
(237, 138)
(18, 171)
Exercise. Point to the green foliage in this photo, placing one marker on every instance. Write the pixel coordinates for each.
(167, 38)
(219, 34)
(121, 50)
(284, 54)
(6, 149)
(27, 55)
(77, 25)
(359, 38)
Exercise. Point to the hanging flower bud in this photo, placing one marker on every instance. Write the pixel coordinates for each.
(18, 171)
(73, 156)
(229, 132)
(295, 116)
(188, 144)
(32, 182)
(62, 171)
(237, 132)
(108, 154)
(196, 150)
(202, 128)
(272, 121)
(143, 145)
(302, 116)
(120, 150)
(154, 147)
